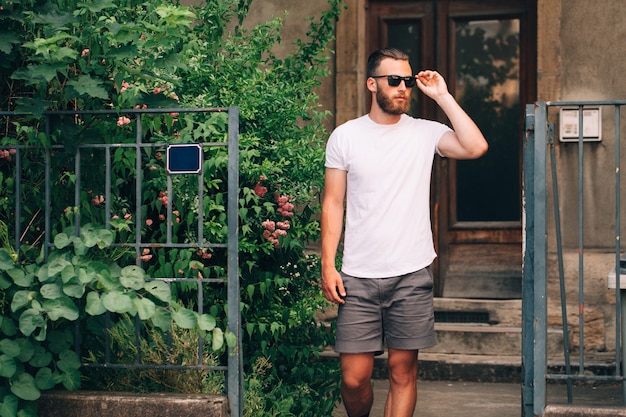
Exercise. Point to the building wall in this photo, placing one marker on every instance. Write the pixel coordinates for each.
(578, 59)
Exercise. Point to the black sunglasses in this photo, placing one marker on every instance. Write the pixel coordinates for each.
(394, 80)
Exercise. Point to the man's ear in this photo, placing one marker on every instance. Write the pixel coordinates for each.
(371, 85)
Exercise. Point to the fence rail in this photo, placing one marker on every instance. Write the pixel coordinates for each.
(83, 149)
(539, 149)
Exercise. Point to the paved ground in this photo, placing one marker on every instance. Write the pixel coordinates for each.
(489, 399)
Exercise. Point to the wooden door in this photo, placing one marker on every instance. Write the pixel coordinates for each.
(486, 51)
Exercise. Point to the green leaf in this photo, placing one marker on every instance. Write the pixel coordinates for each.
(162, 319)
(27, 349)
(51, 291)
(61, 240)
(217, 339)
(68, 360)
(44, 379)
(71, 379)
(8, 406)
(6, 261)
(133, 277)
(62, 307)
(40, 358)
(94, 305)
(30, 320)
(145, 308)
(159, 289)
(117, 302)
(24, 387)
(20, 278)
(10, 348)
(89, 86)
(206, 322)
(231, 339)
(21, 299)
(184, 318)
(8, 367)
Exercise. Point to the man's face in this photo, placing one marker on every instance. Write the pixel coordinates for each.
(393, 100)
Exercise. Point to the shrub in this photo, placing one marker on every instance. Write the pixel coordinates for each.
(120, 54)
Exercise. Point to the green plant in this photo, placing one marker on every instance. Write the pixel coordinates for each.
(42, 299)
(117, 54)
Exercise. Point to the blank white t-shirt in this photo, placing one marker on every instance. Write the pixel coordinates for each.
(387, 230)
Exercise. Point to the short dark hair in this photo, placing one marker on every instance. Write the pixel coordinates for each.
(377, 56)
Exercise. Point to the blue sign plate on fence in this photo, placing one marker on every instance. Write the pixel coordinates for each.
(184, 158)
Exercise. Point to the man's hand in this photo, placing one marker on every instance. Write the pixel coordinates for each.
(432, 84)
(332, 286)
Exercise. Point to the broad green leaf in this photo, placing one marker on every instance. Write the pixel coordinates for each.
(20, 278)
(71, 379)
(7, 366)
(61, 240)
(159, 289)
(51, 291)
(21, 299)
(7, 326)
(62, 307)
(162, 319)
(231, 339)
(40, 358)
(117, 302)
(8, 406)
(68, 360)
(74, 289)
(89, 86)
(145, 308)
(27, 349)
(4, 281)
(94, 305)
(184, 318)
(10, 348)
(217, 338)
(44, 379)
(24, 387)
(133, 277)
(6, 261)
(68, 273)
(206, 322)
(30, 320)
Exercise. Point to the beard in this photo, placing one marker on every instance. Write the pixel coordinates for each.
(387, 104)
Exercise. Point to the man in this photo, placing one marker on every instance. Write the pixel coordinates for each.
(381, 165)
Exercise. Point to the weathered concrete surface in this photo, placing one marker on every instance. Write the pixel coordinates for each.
(572, 411)
(123, 404)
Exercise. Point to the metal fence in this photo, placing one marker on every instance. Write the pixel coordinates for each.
(187, 154)
(539, 149)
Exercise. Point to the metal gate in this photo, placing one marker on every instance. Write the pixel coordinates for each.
(186, 157)
(539, 149)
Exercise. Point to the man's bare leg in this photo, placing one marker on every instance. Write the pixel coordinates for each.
(356, 383)
(402, 395)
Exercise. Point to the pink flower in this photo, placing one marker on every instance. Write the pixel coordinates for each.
(145, 258)
(127, 216)
(148, 222)
(122, 120)
(161, 217)
(269, 225)
(283, 225)
(260, 190)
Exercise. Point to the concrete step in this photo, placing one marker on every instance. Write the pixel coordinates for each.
(490, 340)
(582, 411)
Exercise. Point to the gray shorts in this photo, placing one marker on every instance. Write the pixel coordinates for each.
(395, 311)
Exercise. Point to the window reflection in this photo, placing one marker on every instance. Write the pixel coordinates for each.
(487, 86)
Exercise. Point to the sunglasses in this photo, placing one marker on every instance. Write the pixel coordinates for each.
(394, 80)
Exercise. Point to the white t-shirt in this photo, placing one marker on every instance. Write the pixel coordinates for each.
(387, 231)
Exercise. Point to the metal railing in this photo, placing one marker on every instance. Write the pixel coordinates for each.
(539, 145)
(82, 147)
